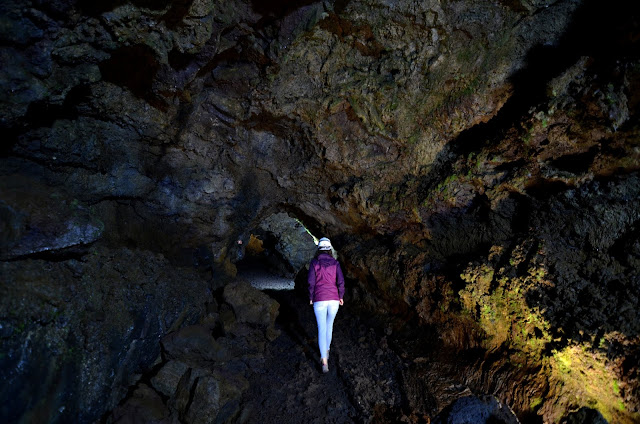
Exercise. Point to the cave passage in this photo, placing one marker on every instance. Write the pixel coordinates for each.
(170, 166)
(276, 253)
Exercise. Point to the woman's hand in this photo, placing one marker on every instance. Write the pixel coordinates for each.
(341, 302)
(311, 302)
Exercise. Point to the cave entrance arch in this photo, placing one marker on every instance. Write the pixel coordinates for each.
(276, 253)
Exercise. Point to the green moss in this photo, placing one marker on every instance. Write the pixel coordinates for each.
(503, 311)
(586, 377)
(498, 301)
(471, 87)
(602, 343)
(535, 403)
(563, 362)
(488, 313)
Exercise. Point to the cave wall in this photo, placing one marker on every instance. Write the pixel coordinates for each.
(77, 333)
(459, 153)
(201, 117)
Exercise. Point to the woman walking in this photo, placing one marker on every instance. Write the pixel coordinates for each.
(326, 293)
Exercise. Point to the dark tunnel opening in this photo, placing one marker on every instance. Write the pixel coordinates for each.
(275, 254)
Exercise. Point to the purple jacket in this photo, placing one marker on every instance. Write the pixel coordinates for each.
(325, 279)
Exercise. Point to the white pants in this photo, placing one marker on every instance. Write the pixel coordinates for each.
(325, 311)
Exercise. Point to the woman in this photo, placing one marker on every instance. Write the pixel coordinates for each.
(326, 293)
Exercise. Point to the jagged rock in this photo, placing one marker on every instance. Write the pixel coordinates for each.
(426, 138)
(206, 396)
(145, 405)
(294, 242)
(477, 410)
(251, 306)
(83, 329)
(206, 401)
(585, 416)
(37, 219)
(246, 340)
(194, 344)
(167, 379)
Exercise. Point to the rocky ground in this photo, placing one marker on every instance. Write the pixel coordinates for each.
(239, 365)
(291, 387)
(371, 376)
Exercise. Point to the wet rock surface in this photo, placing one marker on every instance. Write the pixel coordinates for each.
(77, 333)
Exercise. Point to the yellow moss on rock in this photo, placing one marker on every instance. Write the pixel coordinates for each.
(502, 311)
(585, 376)
(579, 374)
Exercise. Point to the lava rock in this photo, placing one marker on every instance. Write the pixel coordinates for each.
(205, 405)
(77, 333)
(477, 410)
(37, 219)
(195, 345)
(293, 240)
(167, 379)
(145, 405)
(585, 416)
(251, 306)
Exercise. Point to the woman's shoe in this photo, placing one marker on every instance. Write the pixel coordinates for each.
(325, 368)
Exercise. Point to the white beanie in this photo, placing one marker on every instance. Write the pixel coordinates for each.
(324, 244)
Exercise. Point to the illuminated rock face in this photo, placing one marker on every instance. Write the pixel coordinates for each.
(475, 163)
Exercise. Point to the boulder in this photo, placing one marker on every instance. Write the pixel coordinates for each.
(294, 242)
(251, 306)
(167, 379)
(206, 401)
(144, 406)
(194, 345)
(206, 395)
(477, 410)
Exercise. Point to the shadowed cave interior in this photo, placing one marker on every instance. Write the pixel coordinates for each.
(276, 254)
(167, 167)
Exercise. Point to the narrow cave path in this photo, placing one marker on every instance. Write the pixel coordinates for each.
(291, 387)
(379, 372)
(361, 385)
(255, 274)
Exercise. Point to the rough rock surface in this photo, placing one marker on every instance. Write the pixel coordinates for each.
(42, 220)
(476, 410)
(475, 162)
(202, 372)
(77, 333)
(250, 305)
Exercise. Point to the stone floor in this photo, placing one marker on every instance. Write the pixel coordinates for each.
(265, 281)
